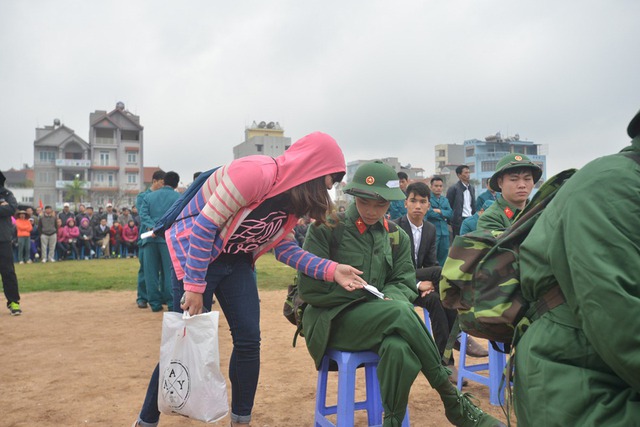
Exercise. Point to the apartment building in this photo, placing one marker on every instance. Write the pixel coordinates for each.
(109, 168)
(262, 138)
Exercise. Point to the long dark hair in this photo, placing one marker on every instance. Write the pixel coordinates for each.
(312, 199)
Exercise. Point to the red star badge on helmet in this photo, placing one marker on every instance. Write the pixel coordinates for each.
(370, 180)
(518, 158)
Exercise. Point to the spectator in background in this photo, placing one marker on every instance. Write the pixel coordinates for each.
(115, 233)
(124, 217)
(66, 213)
(135, 215)
(462, 198)
(488, 194)
(23, 230)
(157, 262)
(8, 206)
(101, 237)
(48, 234)
(397, 208)
(80, 214)
(470, 224)
(439, 214)
(110, 215)
(34, 238)
(69, 241)
(85, 238)
(130, 238)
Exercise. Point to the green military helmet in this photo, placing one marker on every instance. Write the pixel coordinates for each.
(513, 161)
(634, 126)
(375, 180)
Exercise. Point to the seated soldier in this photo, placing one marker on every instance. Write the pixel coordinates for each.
(352, 319)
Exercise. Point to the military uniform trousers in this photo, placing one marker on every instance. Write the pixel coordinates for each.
(397, 333)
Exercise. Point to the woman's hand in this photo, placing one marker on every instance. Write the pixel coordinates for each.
(348, 277)
(191, 302)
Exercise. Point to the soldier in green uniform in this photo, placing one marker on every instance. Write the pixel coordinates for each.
(515, 177)
(352, 319)
(579, 364)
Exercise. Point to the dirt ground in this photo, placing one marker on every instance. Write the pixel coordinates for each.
(84, 359)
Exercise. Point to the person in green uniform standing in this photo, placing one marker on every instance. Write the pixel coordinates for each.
(515, 177)
(157, 262)
(156, 183)
(353, 319)
(579, 364)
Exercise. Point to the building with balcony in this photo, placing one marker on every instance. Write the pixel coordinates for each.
(109, 167)
(482, 157)
(59, 157)
(263, 138)
(116, 141)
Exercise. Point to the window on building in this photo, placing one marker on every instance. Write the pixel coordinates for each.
(100, 177)
(470, 151)
(519, 149)
(132, 157)
(104, 158)
(110, 180)
(441, 153)
(472, 168)
(489, 166)
(132, 178)
(130, 135)
(47, 156)
(259, 148)
(441, 164)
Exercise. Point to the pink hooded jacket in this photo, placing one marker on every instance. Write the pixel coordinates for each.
(204, 226)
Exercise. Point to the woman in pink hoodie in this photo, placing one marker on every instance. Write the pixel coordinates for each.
(68, 239)
(243, 210)
(130, 237)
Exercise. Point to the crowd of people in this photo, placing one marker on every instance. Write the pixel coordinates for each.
(45, 235)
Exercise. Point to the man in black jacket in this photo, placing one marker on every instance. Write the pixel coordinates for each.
(462, 198)
(8, 207)
(422, 235)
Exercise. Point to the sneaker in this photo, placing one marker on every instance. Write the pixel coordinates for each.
(142, 304)
(53, 260)
(37, 256)
(103, 247)
(14, 308)
(93, 252)
(44, 260)
(29, 261)
(460, 411)
(86, 258)
(21, 262)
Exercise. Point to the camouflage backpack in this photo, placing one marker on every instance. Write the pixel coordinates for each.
(294, 306)
(481, 276)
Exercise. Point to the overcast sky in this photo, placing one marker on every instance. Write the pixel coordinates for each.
(386, 79)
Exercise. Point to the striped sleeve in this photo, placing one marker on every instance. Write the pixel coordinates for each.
(224, 200)
(288, 252)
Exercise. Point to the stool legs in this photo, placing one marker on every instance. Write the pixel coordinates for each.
(346, 406)
(495, 366)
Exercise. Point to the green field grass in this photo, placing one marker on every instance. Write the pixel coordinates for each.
(121, 274)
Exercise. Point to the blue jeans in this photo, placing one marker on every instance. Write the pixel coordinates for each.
(232, 280)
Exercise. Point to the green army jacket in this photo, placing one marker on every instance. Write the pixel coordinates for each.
(391, 272)
(499, 216)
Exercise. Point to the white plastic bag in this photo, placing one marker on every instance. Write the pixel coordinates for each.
(191, 383)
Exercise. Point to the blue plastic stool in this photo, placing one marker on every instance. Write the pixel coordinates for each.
(427, 320)
(348, 362)
(496, 365)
